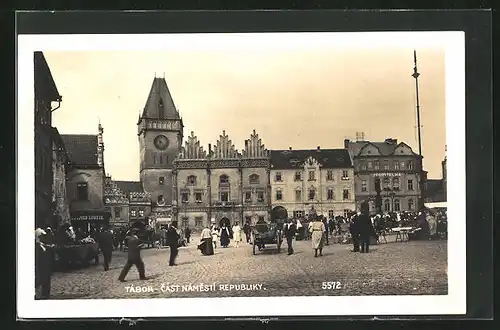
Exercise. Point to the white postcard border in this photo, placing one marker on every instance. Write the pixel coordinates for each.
(453, 303)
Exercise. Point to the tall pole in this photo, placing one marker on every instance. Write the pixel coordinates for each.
(415, 75)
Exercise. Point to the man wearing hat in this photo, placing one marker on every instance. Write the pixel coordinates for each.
(134, 256)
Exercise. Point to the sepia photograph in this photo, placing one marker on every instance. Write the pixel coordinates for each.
(262, 166)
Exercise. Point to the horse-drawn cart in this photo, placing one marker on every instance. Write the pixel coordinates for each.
(264, 233)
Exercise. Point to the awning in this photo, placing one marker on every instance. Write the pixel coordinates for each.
(437, 205)
(90, 216)
(163, 220)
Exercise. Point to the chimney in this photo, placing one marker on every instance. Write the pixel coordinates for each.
(289, 148)
(391, 141)
(346, 144)
(318, 148)
(209, 150)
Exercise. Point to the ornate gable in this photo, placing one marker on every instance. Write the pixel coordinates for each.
(369, 150)
(403, 149)
(254, 148)
(311, 162)
(113, 194)
(225, 148)
(192, 149)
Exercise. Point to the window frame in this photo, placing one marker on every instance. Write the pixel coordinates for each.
(82, 191)
(280, 193)
(278, 177)
(345, 192)
(329, 175)
(330, 194)
(311, 177)
(254, 178)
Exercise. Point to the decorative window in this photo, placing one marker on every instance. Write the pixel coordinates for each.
(397, 205)
(298, 176)
(376, 165)
(133, 213)
(198, 196)
(277, 177)
(345, 175)
(141, 213)
(329, 175)
(312, 194)
(386, 165)
(363, 166)
(248, 196)
(279, 195)
(223, 179)
(185, 196)
(410, 204)
(346, 213)
(395, 184)
(117, 212)
(387, 205)
(191, 180)
(224, 196)
(312, 175)
(330, 196)
(261, 218)
(298, 195)
(298, 214)
(410, 165)
(345, 194)
(331, 214)
(410, 184)
(396, 165)
(82, 190)
(370, 165)
(160, 199)
(363, 186)
(402, 165)
(387, 182)
(254, 179)
(198, 222)
(185, 222)
(260, 196)
(161, 180)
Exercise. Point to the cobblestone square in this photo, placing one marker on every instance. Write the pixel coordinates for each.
(395, 268)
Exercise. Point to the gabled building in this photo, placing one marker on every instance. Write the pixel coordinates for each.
(398, 168)
(316, 181)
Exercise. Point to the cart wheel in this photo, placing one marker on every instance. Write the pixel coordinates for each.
(254, 246)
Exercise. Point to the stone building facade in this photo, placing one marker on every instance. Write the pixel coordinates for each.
(60, 167)
(317, 181)
(45, 94)
(398, 168)
(222, 185)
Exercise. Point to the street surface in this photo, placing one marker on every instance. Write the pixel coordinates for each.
(408, 268)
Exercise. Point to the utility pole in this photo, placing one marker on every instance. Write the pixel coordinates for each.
(415, 75)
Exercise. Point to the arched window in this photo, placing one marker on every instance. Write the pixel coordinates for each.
(254, 179)
(223, 179)
(395, 183)
(387, 205)
(397, 205)
(387, 182)
(191, 180)
(410, 204)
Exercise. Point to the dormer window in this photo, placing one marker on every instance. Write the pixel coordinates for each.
(161, 109)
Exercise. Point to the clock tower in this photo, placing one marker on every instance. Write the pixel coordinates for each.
(160, 131)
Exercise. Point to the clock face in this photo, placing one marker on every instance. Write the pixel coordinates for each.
(161, 142)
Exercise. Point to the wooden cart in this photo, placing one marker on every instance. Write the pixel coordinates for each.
(264, 233)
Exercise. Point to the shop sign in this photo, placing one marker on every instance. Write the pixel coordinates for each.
(386, 174)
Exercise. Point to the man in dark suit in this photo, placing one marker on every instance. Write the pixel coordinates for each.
(106, 246)
(173, 242)
(290, 229)
(366, 229)
(354, 230)
(134, 256)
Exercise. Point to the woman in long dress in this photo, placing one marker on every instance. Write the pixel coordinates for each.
(236, 234)
(317, 229)
(206, 246)
(215, 235)
(224, 236)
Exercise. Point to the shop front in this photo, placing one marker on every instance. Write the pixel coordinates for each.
(85, 222)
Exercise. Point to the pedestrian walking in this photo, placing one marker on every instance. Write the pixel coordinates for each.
(317, 231)
(173, 242)
(246, 229)
(187, 234)
(206, 247)
(134, 246)
(215, 235)
(43, 263)
(236, 234)
(325, 223)
(224, 236)
(354, 230)
(289, 231)
(105, 241)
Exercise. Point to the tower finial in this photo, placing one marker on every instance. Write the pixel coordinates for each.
(163, 75)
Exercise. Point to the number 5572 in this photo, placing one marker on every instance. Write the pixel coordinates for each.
(331, 285)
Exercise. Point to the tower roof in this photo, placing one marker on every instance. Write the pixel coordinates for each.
(160, 104)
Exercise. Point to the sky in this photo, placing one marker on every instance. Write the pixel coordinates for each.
(300, 98)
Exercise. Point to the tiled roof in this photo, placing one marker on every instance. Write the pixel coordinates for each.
(45, 87)
(328, 158)
(129, 186)
(160, 93)
(81, 148)
(386, 148)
